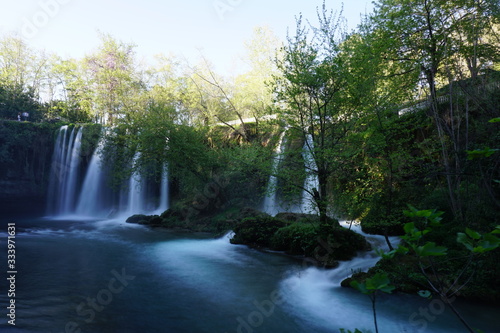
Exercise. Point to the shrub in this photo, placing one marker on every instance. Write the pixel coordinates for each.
(256, 230)
(297, 238)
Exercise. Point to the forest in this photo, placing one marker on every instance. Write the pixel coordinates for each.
(401, 117)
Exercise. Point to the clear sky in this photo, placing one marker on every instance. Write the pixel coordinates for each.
(218, 28)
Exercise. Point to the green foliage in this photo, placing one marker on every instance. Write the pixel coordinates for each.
(454, 275)
(371, 286)
(477, 243)
(307, 237)
(257, 231)
(378, 282)
(297, 239)
(313, 87)
(25, 152)
(480, 153)
(15, 100)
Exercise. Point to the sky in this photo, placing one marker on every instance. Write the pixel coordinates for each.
(217, 29)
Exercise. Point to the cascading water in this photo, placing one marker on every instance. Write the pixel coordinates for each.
(68, 196)
(136, 199)
(270, 205)
(65, 171)
(94, 196)
(163, 205)
(319, 290)
(74, 168)
(56, 172)
(311, 182)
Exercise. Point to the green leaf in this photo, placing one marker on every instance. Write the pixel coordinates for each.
(402, 250)
(472, 234)
(409, 228)
(480, 153)
(385, 255)
(379, 281)
(430, 249)
(360, 287)
(387, 289)
(465, 240)
(490, 242)
(494, 120)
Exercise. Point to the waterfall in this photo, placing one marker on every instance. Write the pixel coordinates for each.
(270, 205)
(136, 199)
(93, 199)
(74, 168)
(65, 171)
(313, 292)
(68, 195)
(307, 203)
(163, 205)
(56, 170)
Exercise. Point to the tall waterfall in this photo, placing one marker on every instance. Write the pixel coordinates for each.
(164, 204)
(307, 203)
(94, 196)
(65, 171)
(136, 200)
(270, 205)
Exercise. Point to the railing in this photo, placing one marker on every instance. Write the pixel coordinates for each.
(422, 105)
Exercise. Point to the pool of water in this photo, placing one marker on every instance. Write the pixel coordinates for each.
(110, 276)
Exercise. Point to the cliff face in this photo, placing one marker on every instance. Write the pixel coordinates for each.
(25, 157)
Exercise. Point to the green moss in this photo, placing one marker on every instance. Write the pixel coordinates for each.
(257, 231)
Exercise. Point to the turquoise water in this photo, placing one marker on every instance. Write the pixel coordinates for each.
(110, 276)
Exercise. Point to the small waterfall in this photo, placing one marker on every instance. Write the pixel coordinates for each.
(270, 205)
(307, 203)
(65, 171)
(136, 200)
(74, 168)
(56, 172)
(94, 195)
(163, 205)
(312, 292)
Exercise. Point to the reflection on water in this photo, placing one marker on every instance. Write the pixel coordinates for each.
(110, 276)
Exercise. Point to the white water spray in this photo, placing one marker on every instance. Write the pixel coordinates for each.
(270, 205)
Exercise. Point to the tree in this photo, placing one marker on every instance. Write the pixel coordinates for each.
(423, 37)
(252, 89)
(69, 90)
(14, 100)
(21, 66)
(379, 170)
(114, 80)
(216, 99)
(313, 87)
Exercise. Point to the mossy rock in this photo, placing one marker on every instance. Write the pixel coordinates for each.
(296, 239)
(256, 231)
(360, 277)
(297, 217)
(139, 219)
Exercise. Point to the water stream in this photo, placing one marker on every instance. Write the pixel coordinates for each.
(109, 276)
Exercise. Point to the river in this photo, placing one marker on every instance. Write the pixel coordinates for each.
(109, 276)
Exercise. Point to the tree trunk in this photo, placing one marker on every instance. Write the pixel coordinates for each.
(321, 197)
